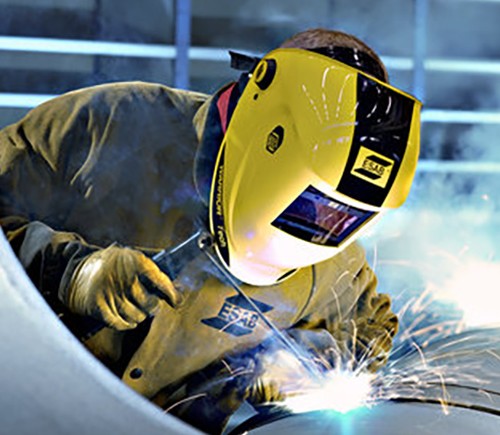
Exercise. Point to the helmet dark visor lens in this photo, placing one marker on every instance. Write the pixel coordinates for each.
(317, 218)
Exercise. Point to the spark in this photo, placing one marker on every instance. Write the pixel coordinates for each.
(187, 399)
(341, 391)
(418, 369)
(341, 383)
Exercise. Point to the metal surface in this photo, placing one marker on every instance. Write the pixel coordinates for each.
(386, 419)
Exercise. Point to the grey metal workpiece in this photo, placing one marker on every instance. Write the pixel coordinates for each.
(50, 384)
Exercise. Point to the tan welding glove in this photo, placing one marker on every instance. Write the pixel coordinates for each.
(119, 286)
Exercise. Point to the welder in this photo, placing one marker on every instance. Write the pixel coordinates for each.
(284, 168)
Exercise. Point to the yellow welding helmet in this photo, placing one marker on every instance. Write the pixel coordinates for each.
(313, 153)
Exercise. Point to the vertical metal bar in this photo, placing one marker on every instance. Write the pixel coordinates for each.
(182, 43)
(421, 8)
(97, 23)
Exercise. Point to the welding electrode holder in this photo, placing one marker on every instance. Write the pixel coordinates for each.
(170, 261)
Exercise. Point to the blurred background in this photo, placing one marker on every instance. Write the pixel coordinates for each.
(446, 52)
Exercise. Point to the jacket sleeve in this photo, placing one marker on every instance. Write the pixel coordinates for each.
(355, 337)
(48, 256)
(35, 197)
(35, 189)
(36, 193)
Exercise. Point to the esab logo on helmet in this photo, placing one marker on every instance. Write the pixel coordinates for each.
(372, 167)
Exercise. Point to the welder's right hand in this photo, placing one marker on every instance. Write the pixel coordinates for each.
(120, 287)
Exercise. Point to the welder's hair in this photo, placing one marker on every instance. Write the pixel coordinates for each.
(315, 38)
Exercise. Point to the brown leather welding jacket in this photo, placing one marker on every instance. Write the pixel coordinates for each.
(113, 164)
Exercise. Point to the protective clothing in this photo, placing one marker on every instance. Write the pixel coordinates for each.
(120, 287)
(112, 164)
(314, 151)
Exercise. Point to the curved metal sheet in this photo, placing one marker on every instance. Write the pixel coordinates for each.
(49, 383)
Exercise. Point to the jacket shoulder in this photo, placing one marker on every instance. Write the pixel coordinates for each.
(145, 93)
